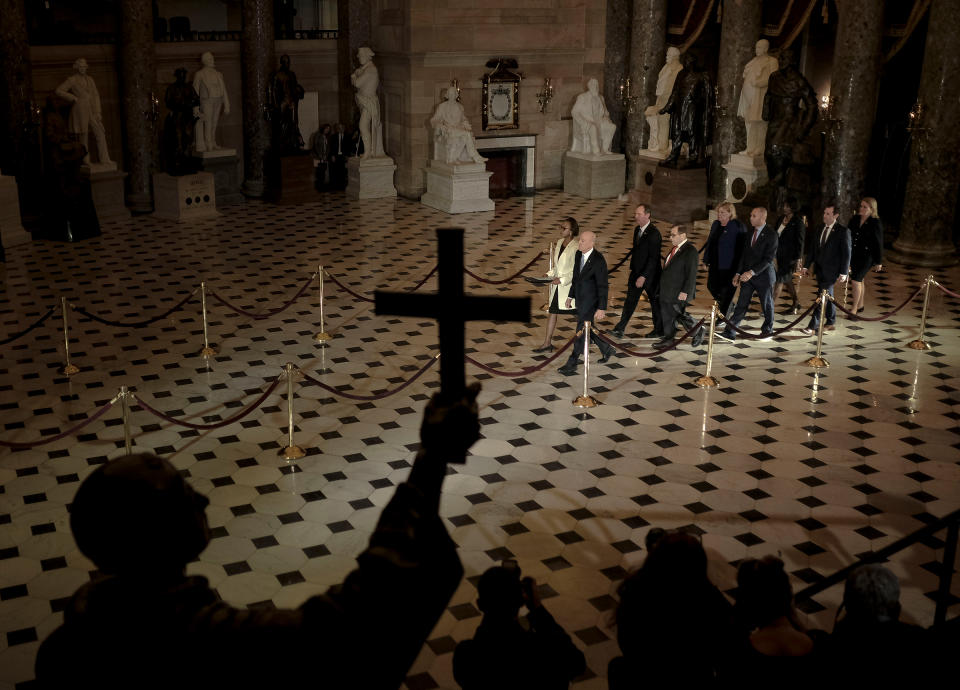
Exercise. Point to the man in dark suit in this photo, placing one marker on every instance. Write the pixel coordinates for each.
(589, 289)
(755, 274)
(644, 272)
(338, 148)
(678, 284)
(829, 257)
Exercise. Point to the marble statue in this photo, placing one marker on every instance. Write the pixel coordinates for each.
(790, 109)
(690, 107)
(209, 85)
(592, 128)
(366, 79)
(285, 96)
(178, 128)
(659, 140)
(756, 75)
(85, 115)
(452, 135)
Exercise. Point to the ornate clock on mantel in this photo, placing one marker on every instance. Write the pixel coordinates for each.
(501, 95)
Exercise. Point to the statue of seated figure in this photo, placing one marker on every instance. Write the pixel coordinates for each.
(592, 128)
(452, 136)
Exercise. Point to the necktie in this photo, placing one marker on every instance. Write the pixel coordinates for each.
(672, 252)
(754, 240)
(825, 235)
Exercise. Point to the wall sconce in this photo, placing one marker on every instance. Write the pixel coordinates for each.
(627, 101)
(545, 95)
(916, 128)
(828, 106)
(455, 83)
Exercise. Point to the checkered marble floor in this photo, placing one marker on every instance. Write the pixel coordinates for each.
(817, 467)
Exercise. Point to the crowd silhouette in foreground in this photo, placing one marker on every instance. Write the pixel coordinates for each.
(142, 622)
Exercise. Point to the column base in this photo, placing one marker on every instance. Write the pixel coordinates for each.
(928, 255)
(140, 202)
(253, 189)
(11, 228)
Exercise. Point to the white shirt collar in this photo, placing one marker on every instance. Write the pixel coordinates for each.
(587, 256)
(643, 228)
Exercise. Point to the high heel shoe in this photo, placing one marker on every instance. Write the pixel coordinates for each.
(860, 310)
(543, 348)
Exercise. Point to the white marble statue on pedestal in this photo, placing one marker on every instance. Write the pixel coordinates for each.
(659, 140)
(452, 134)
(367, 80)
(592, 128)
(85, 114)
(209, 85)
(756, 75)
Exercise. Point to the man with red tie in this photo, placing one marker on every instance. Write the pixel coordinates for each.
(756, 274)
(678, 284)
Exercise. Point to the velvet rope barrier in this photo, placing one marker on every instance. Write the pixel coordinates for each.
(135, 324)
(425, 278)
(528, 370)
(756, 336)
(35, 325)
(63, 434)
(216, 425)
(621, 262)
(504, 280)
(945, 290)
(348, 290)
(652, 353)
(378, 396)
(882, 317)
(265, 314)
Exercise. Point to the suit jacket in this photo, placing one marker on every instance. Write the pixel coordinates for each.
(759, 256)
(866, 244)
(645, 260)
(589, 287)
(832, 260)
(680, 275)
(563, 269)
(711, 250)
(790, 248)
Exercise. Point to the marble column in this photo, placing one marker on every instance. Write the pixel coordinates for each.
(930, 203)
(648, 52)
(257, 62)
(138, 69)
(15, 136)
(739, 33)
(616, 56)
(853, 88)
(353, 18)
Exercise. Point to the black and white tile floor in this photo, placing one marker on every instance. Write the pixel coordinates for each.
(817, 467)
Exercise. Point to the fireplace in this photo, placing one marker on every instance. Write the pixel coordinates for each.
(511, 158)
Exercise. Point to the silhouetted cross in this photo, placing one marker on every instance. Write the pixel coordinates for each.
(452, 309)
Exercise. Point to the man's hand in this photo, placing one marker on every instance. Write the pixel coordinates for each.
(531, 595)
(599, 315)
(745, 276)
(878, 268)
(556, 281)
(736, 280)
(449, 429)
(842, 279)
(569, 302)
(682, 297)
(640, 281)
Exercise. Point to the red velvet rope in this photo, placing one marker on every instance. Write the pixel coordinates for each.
(505, 280)
(945, 290)
(378, 396)
(36, 324)
(265, 314)
(755, 336)
(348, 290)
(522, 372)
(620, 263)
(63, 434)
(425, 278)
(652, 353)
(216, 425)
(882, 317)
(136, 324)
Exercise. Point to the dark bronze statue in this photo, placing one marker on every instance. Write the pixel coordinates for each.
(690, 107)
(178, 128)
(285, 96)
(790, 109)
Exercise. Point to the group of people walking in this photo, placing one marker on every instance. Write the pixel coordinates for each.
(761, 260)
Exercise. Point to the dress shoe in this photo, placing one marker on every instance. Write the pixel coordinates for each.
(829, 327)
(663, 343)
(543, 348)
(729, 336)
(697, 338)
(606, 356)
(860, 309)
(654, 334)
(765, 336)
(617, 332)
(568, 369)
(807, 331)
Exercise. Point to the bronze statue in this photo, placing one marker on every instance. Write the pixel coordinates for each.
(285, 96)
(178, 128)
(690, 107)
(790, 109)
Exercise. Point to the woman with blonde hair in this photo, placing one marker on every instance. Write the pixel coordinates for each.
(722, 253)
(565, 252)
(866, 234)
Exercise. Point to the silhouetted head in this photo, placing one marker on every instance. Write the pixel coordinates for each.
(137, 515)
(764, 593)
(677, 558)
(499, 593)
(180, 74)
(872, 595)
(284, 62)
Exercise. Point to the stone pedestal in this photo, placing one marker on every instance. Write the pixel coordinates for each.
(11, 230)
(743, 174)
(184, 198)
(594, 176)
(679, 195)
(107, 188)
(223, 164)
(370, 178)
(290, 179)
(458, 188)
(646, 173)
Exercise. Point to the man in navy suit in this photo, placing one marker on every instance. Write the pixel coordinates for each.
(755, 274)
(678, 284)
(829, 256)
(644, 272)
(589, 289)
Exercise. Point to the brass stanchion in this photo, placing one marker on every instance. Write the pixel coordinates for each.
(125, 411)
(67, 369)
(586, 400)
(292, 451)
(208, 350)
(708, 381)
(817, 360)
(920, 343)
(322, 337)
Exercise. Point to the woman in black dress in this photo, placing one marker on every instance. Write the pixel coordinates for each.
(722, 255)
(564, 253)
(791, 229)
(866, 234)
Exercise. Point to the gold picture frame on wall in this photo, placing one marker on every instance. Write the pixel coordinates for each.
(501, 96)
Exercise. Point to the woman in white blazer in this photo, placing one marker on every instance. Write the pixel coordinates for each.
(562, 273)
